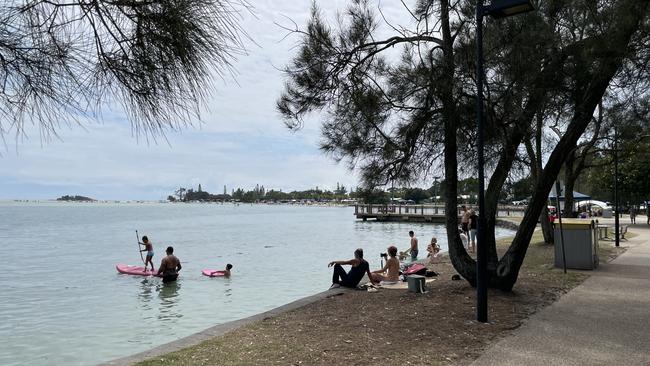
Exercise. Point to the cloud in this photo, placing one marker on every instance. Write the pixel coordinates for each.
(241, 141)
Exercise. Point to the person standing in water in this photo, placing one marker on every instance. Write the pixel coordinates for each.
(413, 249)
(148, 247)
(464, 221)
(473, 227)
(169, 266)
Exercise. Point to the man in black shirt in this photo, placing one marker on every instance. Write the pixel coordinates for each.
(350, 279)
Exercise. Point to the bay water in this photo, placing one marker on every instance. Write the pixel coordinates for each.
(62, 301)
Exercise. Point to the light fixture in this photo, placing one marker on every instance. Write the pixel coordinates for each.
(506, 8)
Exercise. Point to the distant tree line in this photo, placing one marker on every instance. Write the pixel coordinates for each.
(74, 198)
(259, 193)
(468, 190)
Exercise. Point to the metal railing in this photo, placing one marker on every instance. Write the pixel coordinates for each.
(425, 210)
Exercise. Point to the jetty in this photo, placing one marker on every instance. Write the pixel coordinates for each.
(420, 213)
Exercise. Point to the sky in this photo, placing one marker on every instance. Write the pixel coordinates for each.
(241, 142)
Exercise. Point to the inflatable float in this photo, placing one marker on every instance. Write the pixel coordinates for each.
(135, 270)
(415, 268)
(213, 273)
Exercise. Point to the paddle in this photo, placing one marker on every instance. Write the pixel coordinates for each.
(141, 257)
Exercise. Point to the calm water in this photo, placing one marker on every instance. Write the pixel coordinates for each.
(64, 303)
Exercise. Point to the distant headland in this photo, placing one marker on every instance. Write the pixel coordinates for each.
(75, 198)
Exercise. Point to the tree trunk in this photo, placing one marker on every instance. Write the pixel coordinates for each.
(535, 156)
(462, 262)
(544, 219)
(606, 59)
(513, 138)
(547, 228)
(569, 182)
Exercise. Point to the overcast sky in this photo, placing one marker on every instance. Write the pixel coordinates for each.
(242, 141)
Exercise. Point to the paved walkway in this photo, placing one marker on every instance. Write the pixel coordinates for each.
(604, 321)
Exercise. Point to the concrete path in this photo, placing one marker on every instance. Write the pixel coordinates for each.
(604, 321)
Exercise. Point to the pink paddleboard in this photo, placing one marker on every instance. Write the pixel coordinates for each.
(134, 270)
(414, 269)
(213, 273)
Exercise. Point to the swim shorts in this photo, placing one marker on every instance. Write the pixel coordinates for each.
(169, 276)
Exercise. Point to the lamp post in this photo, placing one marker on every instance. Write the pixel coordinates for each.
(497, 9)
(435, 189)
(616, 208)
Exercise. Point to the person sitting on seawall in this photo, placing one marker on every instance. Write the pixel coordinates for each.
(353, 277)
(169, 266)
(390, 273)
(434, 251)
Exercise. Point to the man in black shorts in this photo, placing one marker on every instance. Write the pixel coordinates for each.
(169, 266)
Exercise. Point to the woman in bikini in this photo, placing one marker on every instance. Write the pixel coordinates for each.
(390, 273)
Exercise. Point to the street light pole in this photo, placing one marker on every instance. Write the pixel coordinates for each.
(435, 190)
(481, 250)
(616, 208)
(497, 9)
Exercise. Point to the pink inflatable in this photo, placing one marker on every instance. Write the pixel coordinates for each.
(134, 270)
(213, 273)
(414, 269)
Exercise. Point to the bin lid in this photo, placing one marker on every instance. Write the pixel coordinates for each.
(575, 224)
(414, 277)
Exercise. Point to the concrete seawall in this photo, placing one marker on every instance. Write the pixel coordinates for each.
(218, 330)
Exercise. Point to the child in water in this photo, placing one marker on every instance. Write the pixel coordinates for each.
(226, 273)
(148, 247)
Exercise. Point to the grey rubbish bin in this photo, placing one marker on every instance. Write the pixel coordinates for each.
(416, 283)
(581, 244)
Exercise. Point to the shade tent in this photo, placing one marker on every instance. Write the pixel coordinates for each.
(600, 204)
(577, 196)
